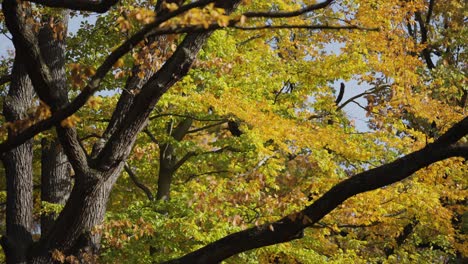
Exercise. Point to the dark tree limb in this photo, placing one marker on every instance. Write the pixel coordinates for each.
(5, 79)
(298, 12)
(151, 136)
(184, 159)
(100, 6)
(340, 94)
(186, 116)
(138, 183)
(429, 11)
(370, 91)
(206, 127)
(425, 52)
(310, 27)
(292, 226)
(9, 9)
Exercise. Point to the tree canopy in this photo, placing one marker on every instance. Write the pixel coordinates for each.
(207, 131)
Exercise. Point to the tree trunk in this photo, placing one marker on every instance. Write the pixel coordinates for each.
(18, 169)
(56, 180)
(168, 159)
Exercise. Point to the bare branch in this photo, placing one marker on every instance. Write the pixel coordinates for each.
(151, 136)
(139, 184)
(101, 6)
(370, 91)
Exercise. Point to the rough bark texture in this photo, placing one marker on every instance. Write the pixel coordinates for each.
(18, 169)
(56, 182)
(56, 179)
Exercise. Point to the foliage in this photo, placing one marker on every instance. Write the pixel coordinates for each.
(296, 141)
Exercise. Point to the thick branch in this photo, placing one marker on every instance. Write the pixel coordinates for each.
(101, 6)
(292, 226)
(95, 81)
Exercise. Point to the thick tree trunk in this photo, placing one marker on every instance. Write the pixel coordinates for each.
(74, 230)
(18, 168)
(55, 173)
(56, 180)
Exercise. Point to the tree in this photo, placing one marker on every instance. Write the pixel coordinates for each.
(233, 103)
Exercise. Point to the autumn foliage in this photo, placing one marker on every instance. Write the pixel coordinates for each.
(240, 131)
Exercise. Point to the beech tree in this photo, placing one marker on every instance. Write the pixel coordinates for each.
(234, 106)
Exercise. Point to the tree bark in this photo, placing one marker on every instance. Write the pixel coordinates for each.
(18, 169)
(56, 182)
(56, 179)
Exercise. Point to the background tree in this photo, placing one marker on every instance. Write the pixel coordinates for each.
(232, 105)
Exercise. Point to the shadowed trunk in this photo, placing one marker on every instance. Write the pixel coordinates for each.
(18, 169)
(56, 180)
(168, 159)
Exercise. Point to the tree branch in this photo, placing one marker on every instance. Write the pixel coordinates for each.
(192, 176)
(139, 184)
(291, 227)
(298, 12)
(425, 52)
(340, 94)
(310, 27)
(206, 127)
(429, 11)
(100, 6)
(5, 79)
(186, 116)
(95, 81)
(151, 136)
(183, 160)
(370, 91)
